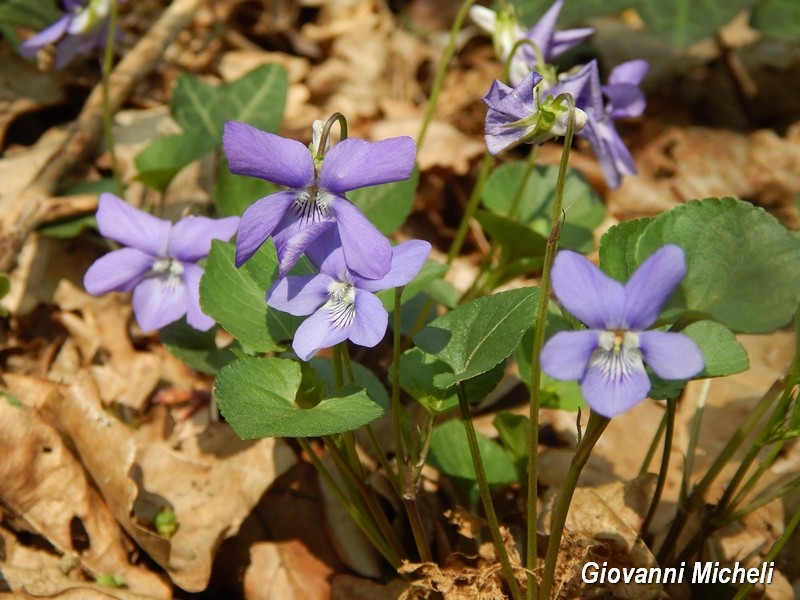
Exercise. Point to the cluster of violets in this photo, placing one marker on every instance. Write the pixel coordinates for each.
(532, 108)
(80, 30)
(313, 216)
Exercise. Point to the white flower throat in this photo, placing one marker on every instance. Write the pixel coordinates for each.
(313, 204)
(617, 354)
(168, 270)
(341, 304)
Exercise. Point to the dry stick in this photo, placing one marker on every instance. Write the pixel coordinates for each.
(85, 134)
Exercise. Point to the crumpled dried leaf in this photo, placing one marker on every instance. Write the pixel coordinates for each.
(52, 583)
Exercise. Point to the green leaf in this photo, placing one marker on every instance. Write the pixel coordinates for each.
(363, 376)
(514, 432)
(159, 162)
(722, 352)
(257, 397)
(256, 98)
(516, 239)
(68, 228)
(450, 454)
(742, 263)
(37, 15)
(234, 193)
(532, 10)
(618, 248)
(417, 373)
(777, 18)
(198, 349)
(477, 335)
(236, 298)
(682, 22)
(387, 205)
(535, 189)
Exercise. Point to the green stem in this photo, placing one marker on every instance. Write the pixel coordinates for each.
(651, 450)
(531, 556)
(470, 209)
(763, 465)
(397, 424)
(376, 447)
(336, 117)
(594, 429)
(486, 495)
(108, 125)
(672, 409)
(694, 438)
(441, 71)
(768, 495)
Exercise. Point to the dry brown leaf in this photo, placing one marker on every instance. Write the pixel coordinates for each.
(285, 571)
(52, 583)
(347, 587)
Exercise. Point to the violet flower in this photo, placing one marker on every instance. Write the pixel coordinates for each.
(158, 263)
(608, 358)
(515, 115)
(342, 304)
(506, 32)
(83, 28)
(315, 200)
(625, 99)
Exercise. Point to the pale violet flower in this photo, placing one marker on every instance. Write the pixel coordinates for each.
(342, 304)
(515, 115)
(315, 200)
(80, 30)
(625, 100)
(608, 358)
(158, 263)
(506, 31)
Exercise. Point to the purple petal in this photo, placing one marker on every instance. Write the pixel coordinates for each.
(631, 72)
(117, 271)
(326, 254)
(158, 302)
(584, 86)
(121, 222)
(293, 236)
(366, 250)
(259, 222)
(507, 106)
(651, 285)
(566, 354)
(190, 238)
(257, 153)
(671, 355)
(541, 34)
(569, 38)
(407, 260)
(587, 293)
(52, 34)
(615, 159)
(370, 321)
(611, 396)
(354, 163)
(299, 295)
(625, 99)
(194, 314)
(317, 332)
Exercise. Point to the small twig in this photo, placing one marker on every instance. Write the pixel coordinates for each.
(83, 137)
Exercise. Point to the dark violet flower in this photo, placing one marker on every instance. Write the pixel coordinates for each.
(342, 304)
(608, 358)
(625, 99)
(315, 199)
(515, 116)
(506, 32)
(158, 263)
(83, 28)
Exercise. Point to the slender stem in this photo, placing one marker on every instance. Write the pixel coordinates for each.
(651, 450)
(768, 495)
(763, 465)
(594, 429)
(338, 374)
(486, 495)
(672, 409)
(387, 467)
(531, 556)
(365, 525)
(442, 70)
(336, 117)
(469, 210)
(417, 528)
(694, 437)
(773, 552)
(397, 424)
(108, 65)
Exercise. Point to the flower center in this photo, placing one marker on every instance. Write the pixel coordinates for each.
(617, 354)
(341, 304)
(313, 204)
(168, 270)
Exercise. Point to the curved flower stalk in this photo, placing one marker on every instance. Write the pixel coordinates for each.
(342, 304)
(625, 99)
(82, 29)
(608, 358)
(315, 200)
(506, 31)
(158, 264)
(516, 116)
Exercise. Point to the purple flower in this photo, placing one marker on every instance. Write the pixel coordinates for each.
(315, 199)
(506, 32)
(342, 304)
(625, 99)
(608, 358)
(514, 117)
(83, 28)
(159, 263)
